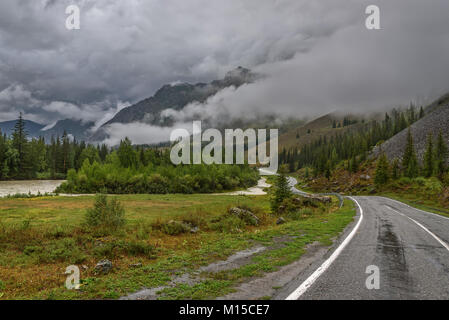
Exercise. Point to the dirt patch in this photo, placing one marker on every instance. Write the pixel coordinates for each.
(270, 283)
(233, 262)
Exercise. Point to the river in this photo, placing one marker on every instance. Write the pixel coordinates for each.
(26, 186)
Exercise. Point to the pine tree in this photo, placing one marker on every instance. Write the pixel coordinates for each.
(291, 164)
(282, 190)
(382, 171)
(421, 113)
(429, 157)
(395, 172)
(441, 155)
(19, 142)
(409, 160)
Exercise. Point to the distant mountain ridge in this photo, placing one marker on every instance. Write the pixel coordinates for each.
(75, 128)
(33, 128)
(176, 97)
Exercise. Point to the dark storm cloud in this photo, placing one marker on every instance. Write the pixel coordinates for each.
(317, 55)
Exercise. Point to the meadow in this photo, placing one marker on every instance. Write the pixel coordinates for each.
(40, 237)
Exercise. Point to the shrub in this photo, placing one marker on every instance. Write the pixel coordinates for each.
(420, 181)
(227, 224)
(174, 228)
(107, 215)
(136, 248)
(61, 250)
(433, 185)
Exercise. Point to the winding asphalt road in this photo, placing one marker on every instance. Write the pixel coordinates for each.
(410, 247)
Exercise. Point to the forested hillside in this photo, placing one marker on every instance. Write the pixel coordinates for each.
(25, 158)
(324, 153)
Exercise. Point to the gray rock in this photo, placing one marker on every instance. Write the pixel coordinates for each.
(280, 221)
(245, 215)
(104, 266)
(307, 199)
(194, 230)
(135, 265)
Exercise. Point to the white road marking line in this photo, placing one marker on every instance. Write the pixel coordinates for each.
(444, 244)
(326, 264)
(427, 212)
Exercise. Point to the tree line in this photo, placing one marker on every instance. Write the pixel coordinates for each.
(434, 161)
(24, 158)
(352, 146)
(131, 169)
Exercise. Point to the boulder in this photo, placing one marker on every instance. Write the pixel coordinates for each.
(246, 215)
(135, 265)
(280, 221)
(103, 267)
(365, 177)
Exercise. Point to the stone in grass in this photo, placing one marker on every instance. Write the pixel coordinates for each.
(135, 265)
(103, 267)
(280, 221)
(247, 216)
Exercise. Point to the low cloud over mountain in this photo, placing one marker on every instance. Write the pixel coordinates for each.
(316, 56)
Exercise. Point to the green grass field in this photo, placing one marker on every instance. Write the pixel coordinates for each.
(40, 237)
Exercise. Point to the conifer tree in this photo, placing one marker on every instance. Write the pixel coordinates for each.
(421, 112)
(19, 142)
(409, 160)
(282, 189)
(395, 172)
(382, 171)
(429, 157)
(441, 154)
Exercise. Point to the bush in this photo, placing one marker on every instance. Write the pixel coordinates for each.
(174, 228)
(61, 250)
(160, 178)
(106, 215)
(433, 185)
(420, 181)
(136, 248)
(110, 250)
(227, 224)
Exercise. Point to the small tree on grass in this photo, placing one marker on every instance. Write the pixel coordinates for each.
(106, 214)
(382, 171)
(281, 190)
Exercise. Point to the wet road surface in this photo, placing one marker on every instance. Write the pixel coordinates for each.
(409, 246)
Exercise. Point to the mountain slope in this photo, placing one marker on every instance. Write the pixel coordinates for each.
(435, 121)
(178, 96)
(76, 128)
(311, 131)
(175, 97)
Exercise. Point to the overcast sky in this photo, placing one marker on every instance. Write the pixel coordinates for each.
(317, 54)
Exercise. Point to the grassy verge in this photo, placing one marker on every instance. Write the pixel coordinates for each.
(40, 237)
(420, 203)
(320, 228)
